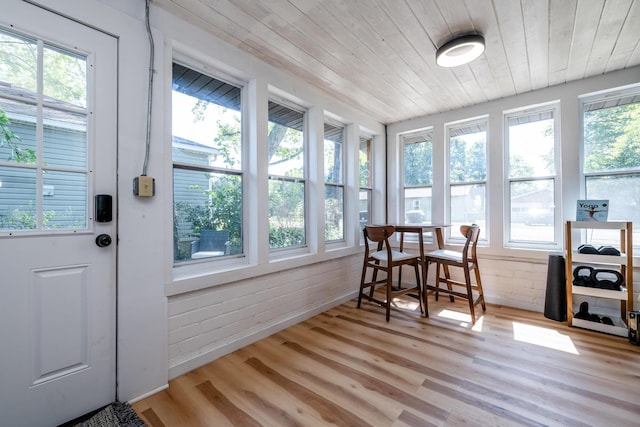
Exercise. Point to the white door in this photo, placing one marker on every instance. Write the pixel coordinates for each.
(58, 85)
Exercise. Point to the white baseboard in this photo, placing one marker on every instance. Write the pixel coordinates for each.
(145, 395)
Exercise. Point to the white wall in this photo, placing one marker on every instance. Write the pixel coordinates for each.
(512, 277)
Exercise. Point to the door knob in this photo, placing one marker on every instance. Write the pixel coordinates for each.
(103, 240)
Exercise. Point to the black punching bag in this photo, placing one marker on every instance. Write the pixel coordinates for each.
(555, 300)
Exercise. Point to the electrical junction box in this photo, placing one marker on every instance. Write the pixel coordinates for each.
(144, 186)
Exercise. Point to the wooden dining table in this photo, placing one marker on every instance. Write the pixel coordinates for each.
(420, 229)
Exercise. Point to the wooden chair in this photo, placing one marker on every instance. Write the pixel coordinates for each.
(379, 256)
(467, 260)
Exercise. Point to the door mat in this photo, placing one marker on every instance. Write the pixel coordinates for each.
(117, 414)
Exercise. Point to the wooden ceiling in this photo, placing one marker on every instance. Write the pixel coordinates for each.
(379, 55)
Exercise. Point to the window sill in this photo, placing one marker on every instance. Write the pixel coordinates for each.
(205, 275)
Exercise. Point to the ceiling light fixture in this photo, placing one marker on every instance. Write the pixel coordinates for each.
(459, 51)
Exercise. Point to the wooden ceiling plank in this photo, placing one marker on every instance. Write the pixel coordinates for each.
(510, 21)
(536, 29)
(609, 28)
(587, 19)
(562, 15)
(628, 42)
(491, 69)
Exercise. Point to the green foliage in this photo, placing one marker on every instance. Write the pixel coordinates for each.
(468, 160)
(418, 158)
(612, 138)
(282, 237)
(8, 137)
(222, 212)
(64, 72)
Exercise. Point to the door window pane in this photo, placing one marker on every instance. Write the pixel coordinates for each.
(64, 200)
(17, 199)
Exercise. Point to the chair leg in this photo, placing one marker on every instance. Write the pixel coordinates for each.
(467, 280)
(374, 278)
(479, 286)
(389, 283)
(425, 290)
(437, 280)
(419, 286)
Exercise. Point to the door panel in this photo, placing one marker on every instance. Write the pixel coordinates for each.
(58, 303)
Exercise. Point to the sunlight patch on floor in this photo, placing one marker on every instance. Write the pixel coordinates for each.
(543, 337)
(406, 304)
(463, 318)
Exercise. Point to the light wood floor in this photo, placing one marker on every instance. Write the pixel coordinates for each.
(348, 367)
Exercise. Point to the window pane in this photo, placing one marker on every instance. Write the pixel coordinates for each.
(17, 199)
(286, 213)
(333, 212)
(65, 139)
(333, 141)
(532, 211)
(286, 141)
(364, 203)
(364, 160)
(612, 138)
(19, 144)
(467, 156)
(417, 205)
(65, 77)
(468, 206)
(623, 193)
(206, 201)
(18, 59)
(206, 120)
(418, 164)
(531, 145)
(64, 200)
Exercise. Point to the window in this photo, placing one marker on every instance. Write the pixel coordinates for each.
(365, 157)
(286, 168)
(207, 166)
(532, 186)
(468, 174)
(333, 182)
(418, 176)
(44, 156)
(611, 155)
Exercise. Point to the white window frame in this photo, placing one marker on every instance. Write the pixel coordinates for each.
(454, 236)
(427, 133)
(342, 183)
(206, 266)
(557, 243)
(290, 251)
(610, 98)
